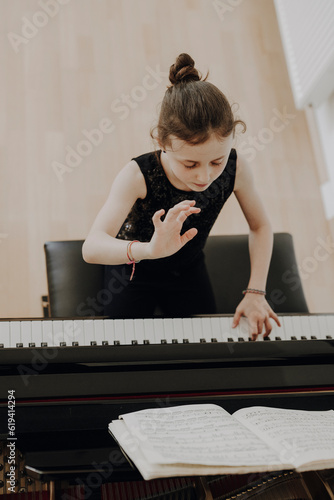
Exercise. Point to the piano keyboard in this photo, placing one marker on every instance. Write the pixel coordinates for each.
(102, 332)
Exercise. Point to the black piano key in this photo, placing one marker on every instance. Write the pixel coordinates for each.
(163, 341)
(32, 344)
(202, 341)
(146, 341)
(186, 341)
(75, 344)
(214, 340)
(116, 342)
(175, 341)
(62, 344)
(93, 342)
(134, 342)
(19, 344)
(313, 337)
(278, 338)
(241, 339)
(266, 338)
(105, 342)
(1, 345)
(230, 339)
(329, 337)
(293, 337)
(303, 337)
(44, 344)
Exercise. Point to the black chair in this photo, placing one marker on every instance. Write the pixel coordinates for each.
(71, 281)
(74, 285)
(228, 263)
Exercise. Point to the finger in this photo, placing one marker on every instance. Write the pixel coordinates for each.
(185, 213)
(157, 216)
(268, 327)
(236, 319)
(183, 205)
(275, 317)
(182, 213)
(188, 235)
(253, 330)
(188, 202)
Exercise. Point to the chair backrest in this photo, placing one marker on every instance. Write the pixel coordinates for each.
(74, 285)
(228, 263)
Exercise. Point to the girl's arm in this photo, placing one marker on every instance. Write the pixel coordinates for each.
(101, 245)
(255, 306)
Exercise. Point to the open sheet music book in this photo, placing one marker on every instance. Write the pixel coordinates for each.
(205, 439)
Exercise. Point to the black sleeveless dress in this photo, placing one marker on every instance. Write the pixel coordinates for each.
(178, 284)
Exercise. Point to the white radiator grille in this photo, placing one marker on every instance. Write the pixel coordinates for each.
(307, 31)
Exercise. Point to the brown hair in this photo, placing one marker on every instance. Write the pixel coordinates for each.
(193, 108)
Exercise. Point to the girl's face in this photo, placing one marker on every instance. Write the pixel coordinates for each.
(194, 167)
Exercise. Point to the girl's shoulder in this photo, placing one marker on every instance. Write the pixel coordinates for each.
(131, 178)
(244, 176)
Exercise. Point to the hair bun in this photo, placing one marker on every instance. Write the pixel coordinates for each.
(183, 70)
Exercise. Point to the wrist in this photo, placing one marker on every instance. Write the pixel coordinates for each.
(140, 250)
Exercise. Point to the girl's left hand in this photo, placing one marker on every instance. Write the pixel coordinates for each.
(258, 311)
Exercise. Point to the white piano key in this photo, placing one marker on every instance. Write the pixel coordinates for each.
(107, 334)
(206, 329)
(15, 333)
(79, 332)
(25, 333)
(216, 329)
(88, 332)
(119, 331)
(139, 331)
(287, 330)
(169, 330)
(159, 332)
(297, 327)
(197, 329)
(314, 326)
(330, 324)
(188, 330)
(58, 332)
(47, 333)
(149, 331)
(129, 331)
(226, 328)
(36, 333)
(276, 330)
(100, 328)
(305, 326)
(323, 328)
(5, 333)
(243, 330)
(69, 332)
(178, 329)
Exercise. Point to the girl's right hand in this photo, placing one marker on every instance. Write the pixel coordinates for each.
(166, 239)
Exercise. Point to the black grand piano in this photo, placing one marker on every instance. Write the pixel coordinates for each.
(70, 378)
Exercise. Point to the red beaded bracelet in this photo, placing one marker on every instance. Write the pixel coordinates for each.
(130, 257)
(253, 290)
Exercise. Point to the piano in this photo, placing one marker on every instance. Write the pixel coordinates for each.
(71, 377)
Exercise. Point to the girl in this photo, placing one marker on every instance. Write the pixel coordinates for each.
(162, 206)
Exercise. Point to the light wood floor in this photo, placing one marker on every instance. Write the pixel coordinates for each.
(72, 74)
